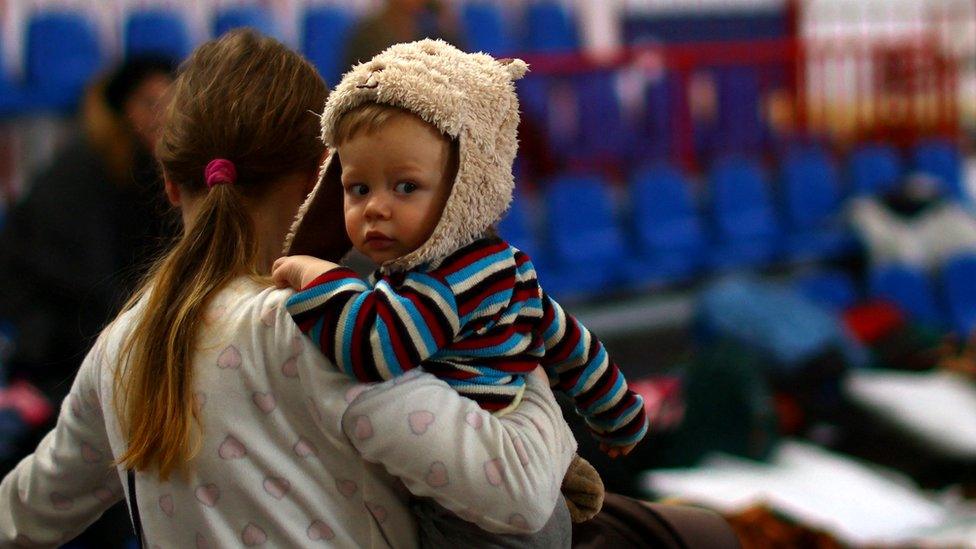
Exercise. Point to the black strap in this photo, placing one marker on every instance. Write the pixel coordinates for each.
(134, 508)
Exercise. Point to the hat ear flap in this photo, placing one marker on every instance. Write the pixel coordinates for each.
(320, 228)
(516, 68)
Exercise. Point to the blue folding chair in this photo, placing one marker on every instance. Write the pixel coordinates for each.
(742, 215)
(255, 16)
(324, 33)
(517, 227)
(549, 28)
(585, 248)
(941, 159)
(959, 293)
(669, 234)
(874, 169)
(811, 204)
(832, 289)
(485, 28)
(63, 54)
(907, 287)
(157, 32)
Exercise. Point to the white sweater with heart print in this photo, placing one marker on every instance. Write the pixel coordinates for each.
(294, 453)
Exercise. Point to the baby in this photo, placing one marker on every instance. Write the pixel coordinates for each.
(423, 138)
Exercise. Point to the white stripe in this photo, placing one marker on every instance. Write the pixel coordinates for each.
(573, 363)
(444, 308)
(379, 357)
(621, 391)
(404, 317)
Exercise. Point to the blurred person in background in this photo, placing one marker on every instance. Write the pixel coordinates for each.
(74, 243)
(401, 21)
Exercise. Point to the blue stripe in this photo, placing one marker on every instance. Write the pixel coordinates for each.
(515, 381)
(494, 299)
(416, 319)
(610, 394)
(460, 276)
(438, 286)
(387, 348)
(502, 349)
(354, 306)
(594, 364)
(323, 289)
(616, 422)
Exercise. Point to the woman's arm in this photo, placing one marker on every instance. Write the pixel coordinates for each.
(70, 480)
(502, 473)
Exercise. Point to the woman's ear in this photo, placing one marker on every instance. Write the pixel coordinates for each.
(172, 193)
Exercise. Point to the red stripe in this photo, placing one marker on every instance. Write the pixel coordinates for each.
(600, 389)
(475, 301)
(357, 333)
(402, 355)
(480, 252)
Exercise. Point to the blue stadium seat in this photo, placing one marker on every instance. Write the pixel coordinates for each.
(739, 128)
(485, 28)
(517, 227)
(874, 169)
(549, 28)
(158, 32)
(585, 248)
(959, 293)
(255, 16)
(62, 55)
(907, 287)
(941, 158)
(324, 32)
(832, 289)
(669, 235)
(811, 203)
(742, 214)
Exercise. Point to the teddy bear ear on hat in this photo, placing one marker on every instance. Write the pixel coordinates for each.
(516, 68)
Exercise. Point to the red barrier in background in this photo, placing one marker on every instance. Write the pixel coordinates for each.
(849, 89)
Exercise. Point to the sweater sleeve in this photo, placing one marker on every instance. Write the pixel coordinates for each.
(501, 473)
(376, 334)
(580, 367)
(70, 480)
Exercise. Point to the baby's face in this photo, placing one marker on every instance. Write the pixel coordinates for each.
(395, 186)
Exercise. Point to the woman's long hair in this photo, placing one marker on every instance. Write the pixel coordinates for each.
(248, 99)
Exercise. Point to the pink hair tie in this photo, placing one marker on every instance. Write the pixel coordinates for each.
(219, 171)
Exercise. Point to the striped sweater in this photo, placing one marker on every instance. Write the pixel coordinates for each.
(477, 319)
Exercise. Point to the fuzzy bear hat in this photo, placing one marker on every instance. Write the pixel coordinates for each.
(469, 97)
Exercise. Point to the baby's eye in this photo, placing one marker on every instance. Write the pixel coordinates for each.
(406, 187)
(357, 189)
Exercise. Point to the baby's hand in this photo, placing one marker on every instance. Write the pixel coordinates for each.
(616, 451)
(297, 271)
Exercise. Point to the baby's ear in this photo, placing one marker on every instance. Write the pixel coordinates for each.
(516, 68)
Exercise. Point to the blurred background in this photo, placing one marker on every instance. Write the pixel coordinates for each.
(765, 208)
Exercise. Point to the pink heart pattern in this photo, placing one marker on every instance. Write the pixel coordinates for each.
(493, 472)
(363, 428)
(319, 530)
(346, 487)
(304, 448)
(523, 456)
(377, 510)
(61, 502)
(268, 316)
(229, 358)
(355, 391)
(276, 487)
(104, 495)
(199, 401)
(207, 494)
(201, 541)
(264, 401)
(437, 475)
(420, 421)
(166, 504)
(518, 521)
(231, 448)
(90, 454)
(474, 419)
(290, 367)
(253, 535)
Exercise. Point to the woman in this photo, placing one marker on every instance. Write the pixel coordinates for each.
(204, 405)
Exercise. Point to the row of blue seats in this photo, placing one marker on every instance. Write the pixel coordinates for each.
(945, 300)
(62, 49)
(666, 235)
